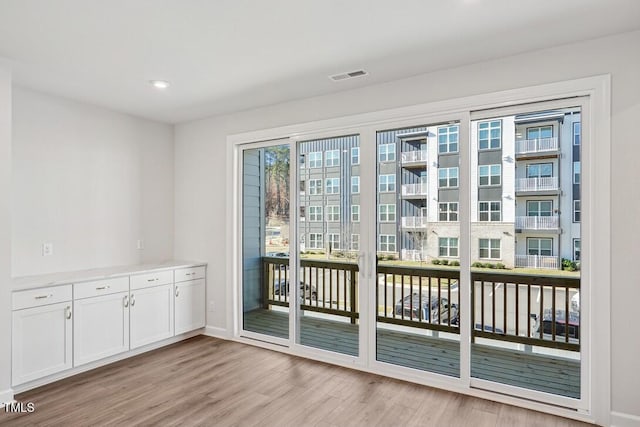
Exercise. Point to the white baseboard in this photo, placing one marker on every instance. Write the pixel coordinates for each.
(215, 332)
(619, 419)
(6, 396)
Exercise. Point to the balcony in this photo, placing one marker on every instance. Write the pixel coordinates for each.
(536, 148)
(414, 222)
(545, 186)
(506, 309)
(538, 261)
(414, 190)
(543, 223)
(412, 159)
(413, 255)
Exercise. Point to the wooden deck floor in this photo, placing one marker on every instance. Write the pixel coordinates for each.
(548, 374)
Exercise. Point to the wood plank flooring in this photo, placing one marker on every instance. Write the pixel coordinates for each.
(534, 371)
(211, 382)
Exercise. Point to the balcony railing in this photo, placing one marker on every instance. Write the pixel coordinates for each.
(537, 184)
(537, 222)
(527, 309)
(530, 310)
(414, 222)
(414, 156)
(413, 255)
(532, 146)
(419, 189)
(537, 261)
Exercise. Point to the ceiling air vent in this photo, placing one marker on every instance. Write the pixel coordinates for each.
(349, 75)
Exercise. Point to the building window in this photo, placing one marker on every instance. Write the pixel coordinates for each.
(355, 213)
(355, 184)
(448, 139)
(576, 211)
(332, 185)
(315, 186)
(315, 213)
(448, 246)
(315, 159)
(539, 247)
(490, 175)
(334, 240)
(489, 211)
(355, 242)
(332, 158)
(489, 135)
(303, 213)
(540, 170)
(539, 208)
(576, 133)
(576, 172)
(540, 132)
(387, 213)
(447, 177)
(387, 152)
(315, 241)
(355, 155)
(576, 249)
(448, 211)
(333, 213)
(387, 243)
(489, 248)
(387, 183)
(302, 186)
(302, 159)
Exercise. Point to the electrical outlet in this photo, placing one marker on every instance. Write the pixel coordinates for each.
(140, 244)
(47, 249)
(211, 306)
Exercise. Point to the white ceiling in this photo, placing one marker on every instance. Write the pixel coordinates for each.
(228, 55)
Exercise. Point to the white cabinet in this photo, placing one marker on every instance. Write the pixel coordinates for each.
(151, 311)
(42, 333)
(100, 327)
(189, 305)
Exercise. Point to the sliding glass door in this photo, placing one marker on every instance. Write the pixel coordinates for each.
(445, 248)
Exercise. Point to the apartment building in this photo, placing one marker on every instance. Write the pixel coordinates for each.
(525, 191)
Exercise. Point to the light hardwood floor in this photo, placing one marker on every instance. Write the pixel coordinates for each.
(207, 381)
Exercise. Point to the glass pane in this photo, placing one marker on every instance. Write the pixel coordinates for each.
(418, 249)
(329, 241)
(265, 240)
(525, 266)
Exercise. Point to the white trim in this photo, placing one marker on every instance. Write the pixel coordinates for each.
(597, 239)
(620, 419)
(216, 332)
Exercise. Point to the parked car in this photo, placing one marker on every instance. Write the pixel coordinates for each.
(439, 312)
(281, 288)
(572, 327)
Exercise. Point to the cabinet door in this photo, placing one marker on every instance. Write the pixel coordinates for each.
(41, 342)
(100, 327)
(189, 306)
(151, 314)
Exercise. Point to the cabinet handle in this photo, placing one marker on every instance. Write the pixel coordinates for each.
(102, 288)
(133, 300)
(44, 296)
(177, 292)
(68, 309)
(152, 280)
(126, 301)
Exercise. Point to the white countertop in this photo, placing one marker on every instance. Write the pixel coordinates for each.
(67, 277)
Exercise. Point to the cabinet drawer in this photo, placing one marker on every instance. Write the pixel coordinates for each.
(41, 296)
(146, 280)
(100, 287)
(184, 274)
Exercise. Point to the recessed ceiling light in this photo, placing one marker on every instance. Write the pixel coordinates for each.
(159, 84)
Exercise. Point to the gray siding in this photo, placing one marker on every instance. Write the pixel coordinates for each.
(253, 224)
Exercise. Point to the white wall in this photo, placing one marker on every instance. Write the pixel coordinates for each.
(90, 181)
(201, 187)
(5, 233)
